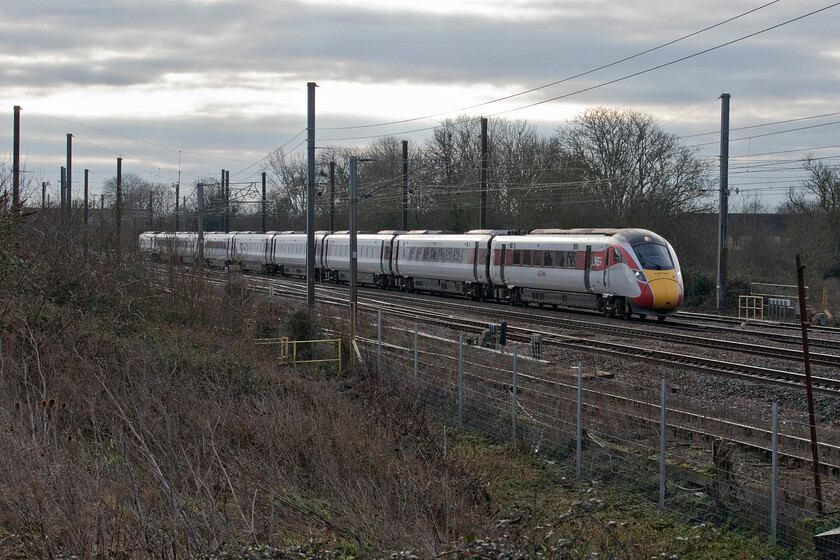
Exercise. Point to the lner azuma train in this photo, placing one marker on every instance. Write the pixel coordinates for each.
(620, 272)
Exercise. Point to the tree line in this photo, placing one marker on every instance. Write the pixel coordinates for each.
(607, 167)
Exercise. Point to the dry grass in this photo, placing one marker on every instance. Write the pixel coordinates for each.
(143, 422)
(139, 420)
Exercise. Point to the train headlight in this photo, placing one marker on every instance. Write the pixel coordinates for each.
(640, 276)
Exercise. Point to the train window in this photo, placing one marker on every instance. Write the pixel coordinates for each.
(559, 259)
(654, 257)
(425, 253)
(570, 260)
(547, 262)
(449, 255)
(617, 256)
(517, 257)
(409, 254)
(537, 258)
(441, 255)
(526, 258)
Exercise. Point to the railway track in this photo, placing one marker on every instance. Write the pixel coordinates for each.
(464, 317)
(752, 438)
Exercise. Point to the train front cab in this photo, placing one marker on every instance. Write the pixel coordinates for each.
(659, 279)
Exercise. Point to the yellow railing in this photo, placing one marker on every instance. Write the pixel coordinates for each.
(750, 307)
(291, 357)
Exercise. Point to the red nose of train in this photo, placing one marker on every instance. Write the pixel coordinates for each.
(662, 293)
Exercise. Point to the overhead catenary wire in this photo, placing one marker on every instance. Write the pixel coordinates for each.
(252, 164)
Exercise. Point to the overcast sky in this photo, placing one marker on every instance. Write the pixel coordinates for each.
(198, 86)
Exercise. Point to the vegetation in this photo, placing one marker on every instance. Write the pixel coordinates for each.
(139, 420)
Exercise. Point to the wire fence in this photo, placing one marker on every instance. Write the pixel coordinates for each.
(734, 468)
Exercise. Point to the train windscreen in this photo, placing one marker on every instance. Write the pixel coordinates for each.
(654, 257)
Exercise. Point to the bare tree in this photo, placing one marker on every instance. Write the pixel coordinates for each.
(819, 192)
(637, 172)
(815, 207)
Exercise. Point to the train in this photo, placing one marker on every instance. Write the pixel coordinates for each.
(618, 272)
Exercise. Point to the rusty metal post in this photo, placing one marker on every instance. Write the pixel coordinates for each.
(812, 418)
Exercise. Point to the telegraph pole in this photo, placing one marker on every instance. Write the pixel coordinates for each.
(723, 252)
(16, 162)
(483, 212)
(310, 193)
(405, 185)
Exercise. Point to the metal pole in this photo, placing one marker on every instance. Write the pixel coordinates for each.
(69, 180)
(310, 195)
(354, 202)
(774, 477)
(227, 200)
(378, 338)
(483, 212)
(332, 196)
(16, 161)
(812, 417)
(118, 206)
(177, 195)
(513, 402)
(416, 361)
(177, 207)
(460, 380)
(86, 197)
(662, 442)
(43, 195)
(723, 254)
(151, 217)
(405, 185)
(263, 201)
(579, 434)
(200, 195)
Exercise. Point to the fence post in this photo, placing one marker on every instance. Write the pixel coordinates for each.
(774, 478)
(461, 381)
(513, 410)
(662, 440)
(378, 339)
(416, 364)
(579, 446)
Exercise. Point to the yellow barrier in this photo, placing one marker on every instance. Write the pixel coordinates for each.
(284, 344)
(750, 307)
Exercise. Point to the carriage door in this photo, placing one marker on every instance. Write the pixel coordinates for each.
(475, 262)
(597, 263)
(607, 261)
(502, 264)
(587, 264)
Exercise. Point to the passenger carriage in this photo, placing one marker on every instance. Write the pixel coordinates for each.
(373, 258)
(252, 251)
(449, 263)
(218, 248)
